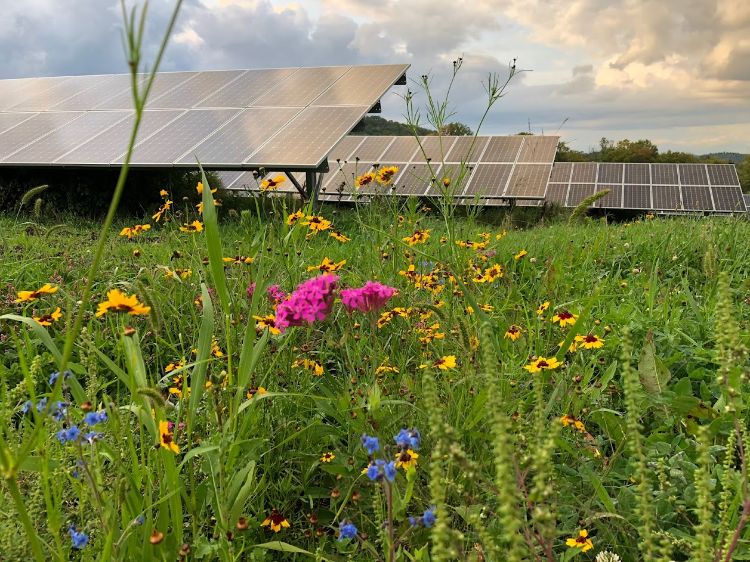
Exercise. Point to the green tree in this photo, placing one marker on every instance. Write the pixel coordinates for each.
(743, 170)
(567, 154)
(628, 151)
(456, 129)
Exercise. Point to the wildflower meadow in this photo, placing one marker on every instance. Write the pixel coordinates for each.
(397, 380)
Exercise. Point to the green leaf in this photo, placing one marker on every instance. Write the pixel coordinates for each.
(40, 331)
(198, 376)
(213, 242)
(652, 372)
(283, 547)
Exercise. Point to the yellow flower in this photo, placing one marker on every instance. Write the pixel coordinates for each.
(501, 235)
(28, 296)
(292, 219)
(199, 207)
(272, 184)
(163, 193)
(238, 260)
(174, 366)
(444, 363)
(134, 231)
(564, 318)
(493, 272)
(581, 541)
(47, 319)
(166, 437)
(195, 226)
(419, 237)
(567, 420)
(310, 365)
(542, 308)
(316, 223)
(407, 459)
(385, 368)
(573, 346)
(364, 179)
(275, 521)
(327, 457)
(542, 363)
(117, 301)
(268, 321)
(520, 254)
(339, 236)
(385, 175)
(199, 188)
(327, 266)
(259, 391)
(590, 341)
(513, 332)
(157, 216)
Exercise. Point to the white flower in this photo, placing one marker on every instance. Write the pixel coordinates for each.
(608, 556)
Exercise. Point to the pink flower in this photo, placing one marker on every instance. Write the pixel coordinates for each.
(250, 290)
(275, 294)
(371, 297)
(311, 301)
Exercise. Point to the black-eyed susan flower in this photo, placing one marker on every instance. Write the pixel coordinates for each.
(272, 184)
(336, 235)
(407, 459)
(565, 318)
(239, 260)
(292, 219)
(513, 332)
(542, 363)
(28, 296)
(267, 322)
(363, 180)
(48, 319)
(443, 363)
(132, 232)
(174, 365)
(327, 457)
(581, 541)
(166, 437)
(309, 365)
(275, 521)
(471, 244)
(419, 237)
(589, 341)
(327, 266)
(520, 255)
(572, 421)
(316, 223)
(195, 226)
(117, 301)
(386, 174)
(493, 273)
(255, 391)
(199, 188)
(542, 308)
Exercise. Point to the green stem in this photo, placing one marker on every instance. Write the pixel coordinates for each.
(36, 547)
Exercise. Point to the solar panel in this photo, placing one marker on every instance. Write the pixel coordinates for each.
(613, 199)
(666, 197)
(247, 88)
(696, 198)
(637, 197)
(664, 174)
(31, 130)
(584, 172)
(356, 86)
(434, 148)
(195, 90)
(59, 141)
(637, 173)
(489, 180)
(109, 144)
(180, 137)
(538, 149)
(451, 180)
(344, 149)
(13, 92)
(529, 181)
(341, 177)
(561, 172)
(728, 199)
(239, 138)
(609, 173)
(466, 149)
(578, 192)
(308, 84)
(10, 120)
(228, 179)
(502, 149)
(105, 87)
(414, 180)
(400, 150)
(722, 174)
(557, 193)
(371, 148)
(62, 90)
(163, 83)
(693, 174)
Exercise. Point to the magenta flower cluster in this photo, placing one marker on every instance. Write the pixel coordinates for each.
(371, 297)
(311, 301)
(275, 294)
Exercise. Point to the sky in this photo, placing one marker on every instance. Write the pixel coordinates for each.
(674, 71)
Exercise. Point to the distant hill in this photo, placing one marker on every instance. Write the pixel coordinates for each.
(377, 126)
(732, 157)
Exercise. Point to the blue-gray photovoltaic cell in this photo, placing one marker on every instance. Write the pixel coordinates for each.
(75, 133)
(242, 136)
(307, 84)
(666, 197)
(664, 174)
(557, 193)
(467, 149)
(584, 172)
(561, 172)
(181, 136)
(696, 197)
(63, 89)
(415, 180)
(693, 174)
(722, 174)
(105, 87)
(163, 83)
(638, 174)
(637, 197)
(489, 180)
(370, 149)
(610, 173)
(10, 120)
(578, 192)
(248, 87)
(195, 90)
(356, 86)
(728, 199)
(345, 148)
(104, 148)
(502, 149)
(33, 129)
(613, 199)
(434, 149)
(400, 151)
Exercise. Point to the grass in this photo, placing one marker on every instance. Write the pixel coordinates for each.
(494, 454)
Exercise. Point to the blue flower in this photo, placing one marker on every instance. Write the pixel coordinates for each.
(26, 408)
(92, 436)
(93, 418)
(390, 471)
(347, 530)
(59, 411)
(70, 434)
(80, 539)
(139, 520)
(373, 472)
(56, 375)
(376, 470)
(413, 521)
(370, 443)
(41, 405)
(429, 517)
(408, 439)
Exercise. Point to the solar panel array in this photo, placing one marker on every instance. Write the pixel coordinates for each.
(648, 187)
(498, 168)
(235, 119)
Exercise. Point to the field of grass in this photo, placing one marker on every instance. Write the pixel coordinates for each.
(566, 391)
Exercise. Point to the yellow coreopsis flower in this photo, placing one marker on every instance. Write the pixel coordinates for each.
(292, 219)
(335, 234)
(565, 318)
(327, 266)
(195, 226)
(407, 459)
(327, 457)
(199, 188)
(419, 237)
(542, 308)
(28, 296)
(266, 322)
(590, 341)
(520, 254)
(542, 363)
(117, 301)
(272, 184)
(47, 319)
(166, 437)
(581, 541)
(386, 174)
(310, 365)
